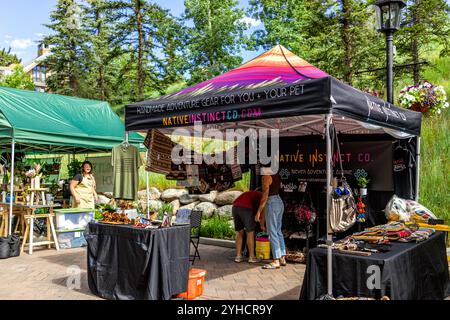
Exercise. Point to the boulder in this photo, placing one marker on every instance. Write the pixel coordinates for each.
(208, 208)
(208, 197)
(224, 211)
(155, 204)
(176, 205)
(188, 198)
(190, 205)
(153, 194)
(169, 195)
(227, 197)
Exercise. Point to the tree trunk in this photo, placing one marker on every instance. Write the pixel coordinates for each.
(415, 43)
(210, 54)
(348, 43)
(140, 73)
(73, 81)
(101, 66)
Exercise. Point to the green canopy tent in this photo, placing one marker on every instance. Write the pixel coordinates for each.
(35, 122)
(55, 123)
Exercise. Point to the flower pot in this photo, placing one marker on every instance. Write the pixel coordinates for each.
(362, 191)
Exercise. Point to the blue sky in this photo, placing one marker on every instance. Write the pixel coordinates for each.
(21, 24)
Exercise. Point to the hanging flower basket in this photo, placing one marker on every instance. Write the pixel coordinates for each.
(424, 97)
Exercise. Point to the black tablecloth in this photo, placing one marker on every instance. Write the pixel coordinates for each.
(132, 263)
(410, 271)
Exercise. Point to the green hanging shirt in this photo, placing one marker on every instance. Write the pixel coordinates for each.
(126, 162)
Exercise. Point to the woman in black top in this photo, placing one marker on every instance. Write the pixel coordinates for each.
(274, 209)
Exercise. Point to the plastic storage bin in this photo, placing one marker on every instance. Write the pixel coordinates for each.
(195, 284)
(72, 219)
(71, 239)
(262, 247)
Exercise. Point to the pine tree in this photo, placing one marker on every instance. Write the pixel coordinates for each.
(6, 58)
(425, 27)
(215, 39)
(102, 50)
(337, 36)
(66, 65)
(141, 29)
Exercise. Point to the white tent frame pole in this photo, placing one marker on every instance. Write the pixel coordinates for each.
(300, 125)
(417, 168)
(329, 234)
(11, 176)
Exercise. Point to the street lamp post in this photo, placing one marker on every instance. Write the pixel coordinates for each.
(388, 20)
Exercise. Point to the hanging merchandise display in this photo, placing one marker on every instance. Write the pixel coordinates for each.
(343, 206)
(361, 210)
(126, 161)
(159, 152)
(192, 177)
(403, 170)
(177, 172)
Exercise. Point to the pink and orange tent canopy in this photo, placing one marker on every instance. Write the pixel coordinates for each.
(276, 84)
(276, 66)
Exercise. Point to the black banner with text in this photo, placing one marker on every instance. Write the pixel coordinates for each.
(306, 161)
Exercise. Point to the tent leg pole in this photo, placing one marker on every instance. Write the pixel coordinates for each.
(147, 189)
(11, 194)
(328, 208)
(417, 169)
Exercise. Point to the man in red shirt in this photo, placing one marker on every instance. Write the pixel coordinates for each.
(244, 210)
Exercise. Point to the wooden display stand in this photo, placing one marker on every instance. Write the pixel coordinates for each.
(28, 237)
(37, 195)
(5, 220)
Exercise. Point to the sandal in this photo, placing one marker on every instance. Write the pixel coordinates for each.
(271, 266)
(283, 262)
(239, 259)
(254, 260)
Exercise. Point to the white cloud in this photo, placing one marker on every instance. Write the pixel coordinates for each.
(7, 36)
(39, 35)
(250, 21)
(21, 43)
(6, 41)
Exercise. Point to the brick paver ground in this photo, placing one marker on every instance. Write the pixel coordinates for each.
(44, 276)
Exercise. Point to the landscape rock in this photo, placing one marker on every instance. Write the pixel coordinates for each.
(155, 204)
(190, 205)
(188, 198)
(227, 197)
(208, 197)
(169, 195)
(176, 205)
(208, 208)
(224, 211)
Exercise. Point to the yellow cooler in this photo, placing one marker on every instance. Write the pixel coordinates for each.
(262, 249)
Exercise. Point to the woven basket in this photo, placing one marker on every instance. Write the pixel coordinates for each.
(295, 256)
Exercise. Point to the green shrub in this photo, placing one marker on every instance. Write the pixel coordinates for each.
(217, 227)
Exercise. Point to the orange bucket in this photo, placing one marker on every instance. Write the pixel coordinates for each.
(195, 284)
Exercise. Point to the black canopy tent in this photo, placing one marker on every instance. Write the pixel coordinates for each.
(278, 90)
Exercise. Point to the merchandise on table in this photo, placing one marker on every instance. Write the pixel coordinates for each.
(407, 210)
(115, 218)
